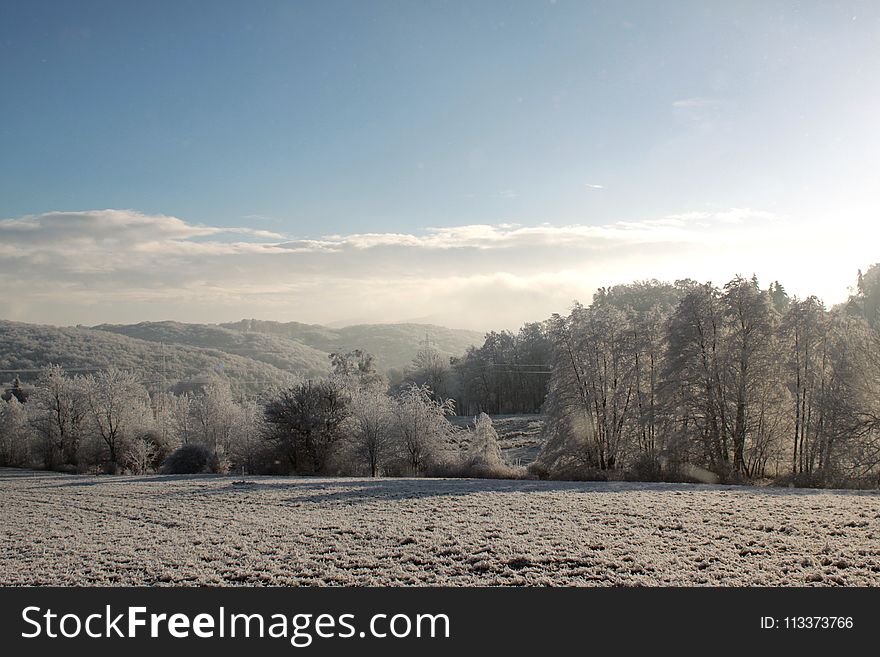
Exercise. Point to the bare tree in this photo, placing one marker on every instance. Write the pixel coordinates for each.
(142, 453)
(306, 423)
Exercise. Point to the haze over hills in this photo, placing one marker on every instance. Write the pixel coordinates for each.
(254, 354)
(26, 348)
(282, 353)
(393, 345)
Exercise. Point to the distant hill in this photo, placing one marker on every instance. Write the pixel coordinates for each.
(25, 348)
(283, 353)
(393, 345)
(254, 354)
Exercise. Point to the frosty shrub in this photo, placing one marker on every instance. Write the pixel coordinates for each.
(146, 452)
(483, 458)
(191, 458)
(484, 450)
(465, 469)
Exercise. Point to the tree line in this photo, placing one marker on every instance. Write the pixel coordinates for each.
(738, 383)
(507, 374)
(651, 381)
(348, 423)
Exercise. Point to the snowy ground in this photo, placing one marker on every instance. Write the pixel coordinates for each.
(67, 530)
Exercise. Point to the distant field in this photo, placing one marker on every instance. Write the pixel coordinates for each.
(519, 436)
(73, 530)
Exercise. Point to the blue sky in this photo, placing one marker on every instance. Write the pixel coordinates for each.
(316, 119)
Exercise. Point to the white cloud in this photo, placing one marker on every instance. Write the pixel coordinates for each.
(122, 265)
(703, 113)
(688, 103)
(731, 216)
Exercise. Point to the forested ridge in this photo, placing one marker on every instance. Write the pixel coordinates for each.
(25, 349)
(287, 355)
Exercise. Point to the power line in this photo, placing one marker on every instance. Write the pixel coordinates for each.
(547, 372)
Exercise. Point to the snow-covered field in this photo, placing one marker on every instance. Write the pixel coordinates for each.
(68, 530)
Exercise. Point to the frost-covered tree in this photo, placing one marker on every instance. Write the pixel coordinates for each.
(421, 428)
(604, 404)
(60, 410)
(750, 352)
(215, 415)
(806, 330)
(356, 370)
(866, 298)
(14, 433)
(431, 369)
(247, 445)
(595, 384)
(484, 450)
(182, 419)
(370, 428)
(831, 371)
(119, 410)
(653, 376)
(694, 377)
